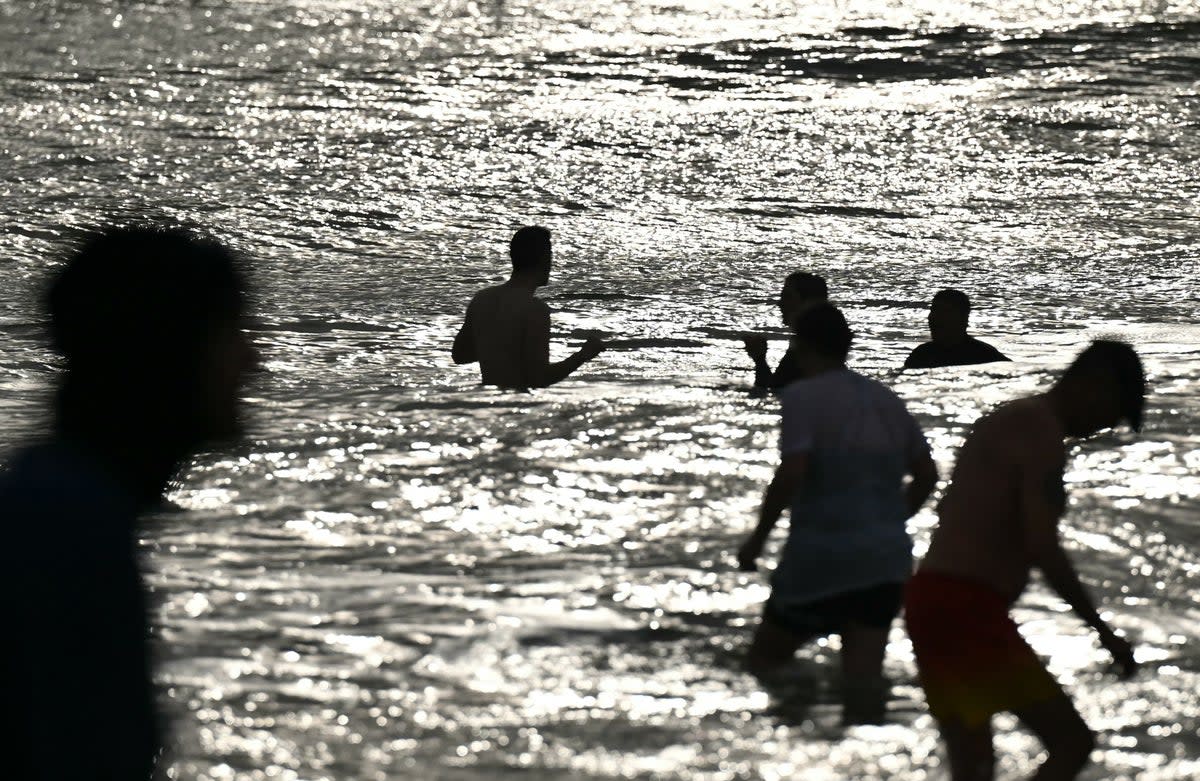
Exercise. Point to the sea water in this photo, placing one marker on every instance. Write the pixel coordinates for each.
(401, 574)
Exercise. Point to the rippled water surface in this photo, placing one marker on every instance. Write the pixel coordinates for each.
(402, 575)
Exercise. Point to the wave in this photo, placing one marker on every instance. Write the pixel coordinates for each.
(782, 208)
(1157, 51)
(317, 326)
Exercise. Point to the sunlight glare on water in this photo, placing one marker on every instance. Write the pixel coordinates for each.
(402, 575)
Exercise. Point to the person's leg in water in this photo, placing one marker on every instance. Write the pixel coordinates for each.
(1063, 733)
(969, 750)
(772, 647)
(864, 689)
(1055, 722)
(866, 619)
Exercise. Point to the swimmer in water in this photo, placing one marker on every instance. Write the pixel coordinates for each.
(507, 327)
(950, 344)
(800, 291)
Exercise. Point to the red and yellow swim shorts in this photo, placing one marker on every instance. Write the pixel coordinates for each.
(971, 659)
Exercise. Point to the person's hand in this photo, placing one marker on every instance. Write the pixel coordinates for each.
(1122, 653)
(592, 347)
(756, 346)
(747, 555)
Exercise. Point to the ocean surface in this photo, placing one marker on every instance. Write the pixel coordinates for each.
(401, 575)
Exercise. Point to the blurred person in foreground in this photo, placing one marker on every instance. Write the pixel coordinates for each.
(148, 324)
(847, 445)
(999, 520)
(507, 328)
(801, 290)
(949, 343)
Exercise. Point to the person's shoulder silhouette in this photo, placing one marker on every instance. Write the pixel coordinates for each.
(932, 355)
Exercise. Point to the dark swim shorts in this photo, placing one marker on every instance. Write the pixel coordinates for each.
(874, 606)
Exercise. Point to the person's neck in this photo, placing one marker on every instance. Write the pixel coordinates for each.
(141, 472)
(1060, 407)
(527, 282)
(950, 340)
(825, 368)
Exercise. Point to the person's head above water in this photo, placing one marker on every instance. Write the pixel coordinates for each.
(530, 253)
(801, 289)
(1102, 387)
(821, 338)
(949, 313)
(148, 322)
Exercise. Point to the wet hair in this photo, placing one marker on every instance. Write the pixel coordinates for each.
(806, 285)
(132, 312)
(954, 298)
(528, 246)
(823, 328)
(1119, 363)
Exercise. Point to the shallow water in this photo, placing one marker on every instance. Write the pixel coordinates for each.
(401, 575)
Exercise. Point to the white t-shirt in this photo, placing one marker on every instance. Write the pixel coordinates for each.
(848, 518)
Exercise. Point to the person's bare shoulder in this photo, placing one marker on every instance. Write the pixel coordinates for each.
(487, 294)
(535, 307)
(1027, 429)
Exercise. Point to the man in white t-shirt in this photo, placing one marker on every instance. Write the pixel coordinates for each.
(847, 444)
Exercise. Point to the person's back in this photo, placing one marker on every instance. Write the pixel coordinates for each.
(501, 318)
(979, 519)
(851, 510)
(968, 352)
(507, 328)
(77, 682)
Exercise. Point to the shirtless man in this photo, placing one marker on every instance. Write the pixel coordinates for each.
(507, 328)
(998, 521)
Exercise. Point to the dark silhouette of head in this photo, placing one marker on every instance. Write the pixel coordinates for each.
(530, 253)
(949, 313)
(821, 338)
(1102, 387)
(801, 289)
(148, 322)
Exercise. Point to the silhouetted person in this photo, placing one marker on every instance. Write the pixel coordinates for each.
(800, 290)
(148, 325)
(847, 443)
(507, 327)
(949, 344)
(998, 521)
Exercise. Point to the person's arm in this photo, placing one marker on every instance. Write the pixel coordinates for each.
(464, 342)
(1043, 500)
(535, 352)
(921, 468)
(924, 478)
(756, 348)
(789, 476)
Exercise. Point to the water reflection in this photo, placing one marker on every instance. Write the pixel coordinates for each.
(370, 588)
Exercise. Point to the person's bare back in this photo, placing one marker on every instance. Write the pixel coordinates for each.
(507, 327)
(502, 323)
(981, 518)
